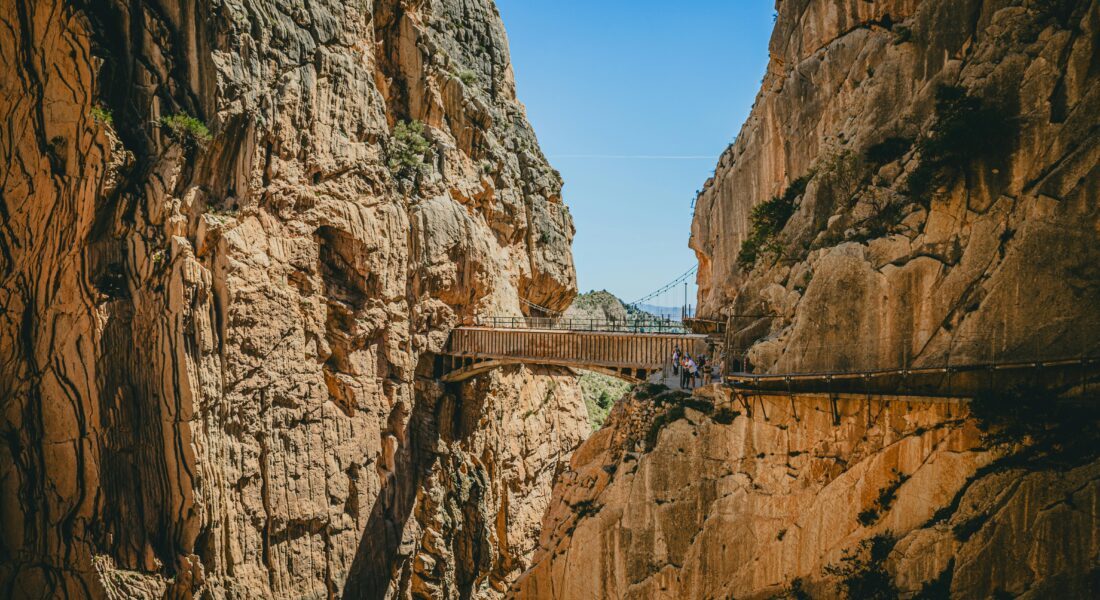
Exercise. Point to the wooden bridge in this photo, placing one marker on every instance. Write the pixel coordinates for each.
(634, 351)
(631, 355)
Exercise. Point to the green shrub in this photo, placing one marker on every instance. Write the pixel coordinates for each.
(940, 587)
(408, 148)
(600, 392)
(467, 76)
(768, 219)
(888, 215)
(102, 115)
(965, 129)
(884, 501)
(795, 591)
(604, 401)
(862, 572)
(184, 127)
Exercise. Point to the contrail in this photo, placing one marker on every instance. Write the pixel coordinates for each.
(640, 156)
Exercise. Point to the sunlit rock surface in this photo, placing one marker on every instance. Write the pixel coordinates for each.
(994, 260)
(758, 496)
(216, 355)
(934, 172)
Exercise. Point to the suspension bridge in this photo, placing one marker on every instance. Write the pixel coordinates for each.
(639, 347)
(632, 349)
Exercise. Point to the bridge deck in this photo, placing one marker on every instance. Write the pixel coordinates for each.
(624, 354)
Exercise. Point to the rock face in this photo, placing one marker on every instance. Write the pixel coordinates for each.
(234, 235)
(775, 496)
(941, 162)
(917, 183)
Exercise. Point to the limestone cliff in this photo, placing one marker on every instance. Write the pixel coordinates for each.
(812, 496)
(925, 178)
(233, 235)
(917, 183)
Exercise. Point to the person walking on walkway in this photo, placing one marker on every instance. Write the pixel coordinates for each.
(692, 370)
(684, 370)
(704, 372)
(676, 361)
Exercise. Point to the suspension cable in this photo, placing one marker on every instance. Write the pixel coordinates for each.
(668, 286)
(548, 311)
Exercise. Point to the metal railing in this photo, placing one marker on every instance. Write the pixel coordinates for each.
(628, 325)
(969, 366)
(1072, 377)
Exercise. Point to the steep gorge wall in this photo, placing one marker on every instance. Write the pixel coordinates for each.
(844, 496)
(216, 355)
(979, 248)
(939, 163)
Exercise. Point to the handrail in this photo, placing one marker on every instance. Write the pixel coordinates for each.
(1038, 364)
(628, 325)
(1066, 372)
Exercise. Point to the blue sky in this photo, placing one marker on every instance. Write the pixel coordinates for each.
(608, 82)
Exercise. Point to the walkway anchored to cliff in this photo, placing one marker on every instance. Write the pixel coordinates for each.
(631, 348)
(635, 350)
(631, 354)
(638, 346)
(1077, 377)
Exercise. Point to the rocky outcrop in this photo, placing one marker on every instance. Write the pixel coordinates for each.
(854, 496)
(934, 169)
(597, 306)
(233, 235)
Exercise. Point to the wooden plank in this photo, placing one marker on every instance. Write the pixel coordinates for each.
(614, 350)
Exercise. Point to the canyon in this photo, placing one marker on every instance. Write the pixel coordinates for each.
(236, 237)
(915, 186)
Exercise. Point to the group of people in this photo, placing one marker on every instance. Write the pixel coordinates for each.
(692, 369)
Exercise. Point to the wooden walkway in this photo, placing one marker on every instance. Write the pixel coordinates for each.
(1069, 377)
(631, 356)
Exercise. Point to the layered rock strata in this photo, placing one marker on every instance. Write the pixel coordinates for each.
(233, 236)
(851, 496)
(940, 161)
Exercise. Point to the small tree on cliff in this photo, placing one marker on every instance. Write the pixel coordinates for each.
(407, 149)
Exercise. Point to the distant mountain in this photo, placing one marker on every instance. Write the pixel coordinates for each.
(670, 312)
(599, 305)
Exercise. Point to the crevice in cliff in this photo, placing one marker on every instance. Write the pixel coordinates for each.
(381, 552)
